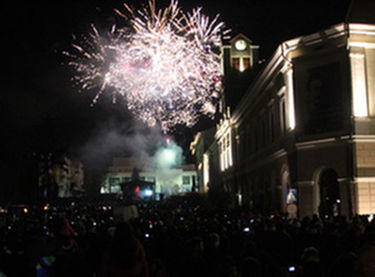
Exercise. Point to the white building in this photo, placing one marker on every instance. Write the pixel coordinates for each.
(168, 181)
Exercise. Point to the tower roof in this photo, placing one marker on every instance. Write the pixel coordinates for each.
(242, 36)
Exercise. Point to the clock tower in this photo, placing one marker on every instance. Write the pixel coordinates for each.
(239, 54)
(239, 57)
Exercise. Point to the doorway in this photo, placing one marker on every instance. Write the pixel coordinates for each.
(329, 190)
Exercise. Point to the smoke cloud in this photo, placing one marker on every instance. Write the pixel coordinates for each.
(113, 139)
(168, 156)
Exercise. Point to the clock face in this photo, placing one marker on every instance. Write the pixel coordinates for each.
(240, 44)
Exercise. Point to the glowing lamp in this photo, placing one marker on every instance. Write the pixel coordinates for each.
(169, 155)
(148, 192)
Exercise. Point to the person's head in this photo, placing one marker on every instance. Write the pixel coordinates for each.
(124, 246)
(213, 240)
(123, 231)
(310, 254)
(230, 268)
(196, 246)
(344, 265)
(251, 267)
(311, 268)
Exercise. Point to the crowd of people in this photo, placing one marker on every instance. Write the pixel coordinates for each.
(180, 237)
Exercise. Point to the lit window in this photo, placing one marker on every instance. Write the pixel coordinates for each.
(246, 63)
(116, 189)
(290, 90)
(221, 156)
(236, 63)
(114, 181)
(206, 177)
(359, 84)
(225, 153)
(230, 148)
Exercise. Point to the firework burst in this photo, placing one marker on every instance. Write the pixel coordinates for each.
(167, 68)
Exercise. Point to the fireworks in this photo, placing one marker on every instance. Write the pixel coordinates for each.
(167, 67)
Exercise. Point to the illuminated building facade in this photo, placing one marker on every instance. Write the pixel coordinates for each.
(307, 122)
(168, 181)
(205, 149)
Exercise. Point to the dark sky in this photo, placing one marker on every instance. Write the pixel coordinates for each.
(42, 111)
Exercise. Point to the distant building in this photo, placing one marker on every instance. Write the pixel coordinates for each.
(60, 177)
(77, 177)
(168, 181)
(204, 148)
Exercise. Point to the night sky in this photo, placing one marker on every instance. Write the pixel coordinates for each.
(41, 110)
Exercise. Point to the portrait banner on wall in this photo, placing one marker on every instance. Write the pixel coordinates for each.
(321, 98)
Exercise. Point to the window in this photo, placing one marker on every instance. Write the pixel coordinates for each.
(290, 90)
(206, 170)
(186, 180)
(358, 66)
(246, 63)
(114, 181)
(250, 135)
(272, 126)
(255, 136)
(116, 189)
(246, 141)
(225, 145)
(241, 145)
(283, 117)
(263, 134)
(236, 63)
(225, 152)
(221, 155)
(229, 149)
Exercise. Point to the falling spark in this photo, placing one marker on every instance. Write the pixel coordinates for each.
(167, 68)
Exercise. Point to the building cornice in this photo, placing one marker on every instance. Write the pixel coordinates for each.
(282, 58)
(364, 138)
(361, 29)
(364, 179)
(321, 142)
